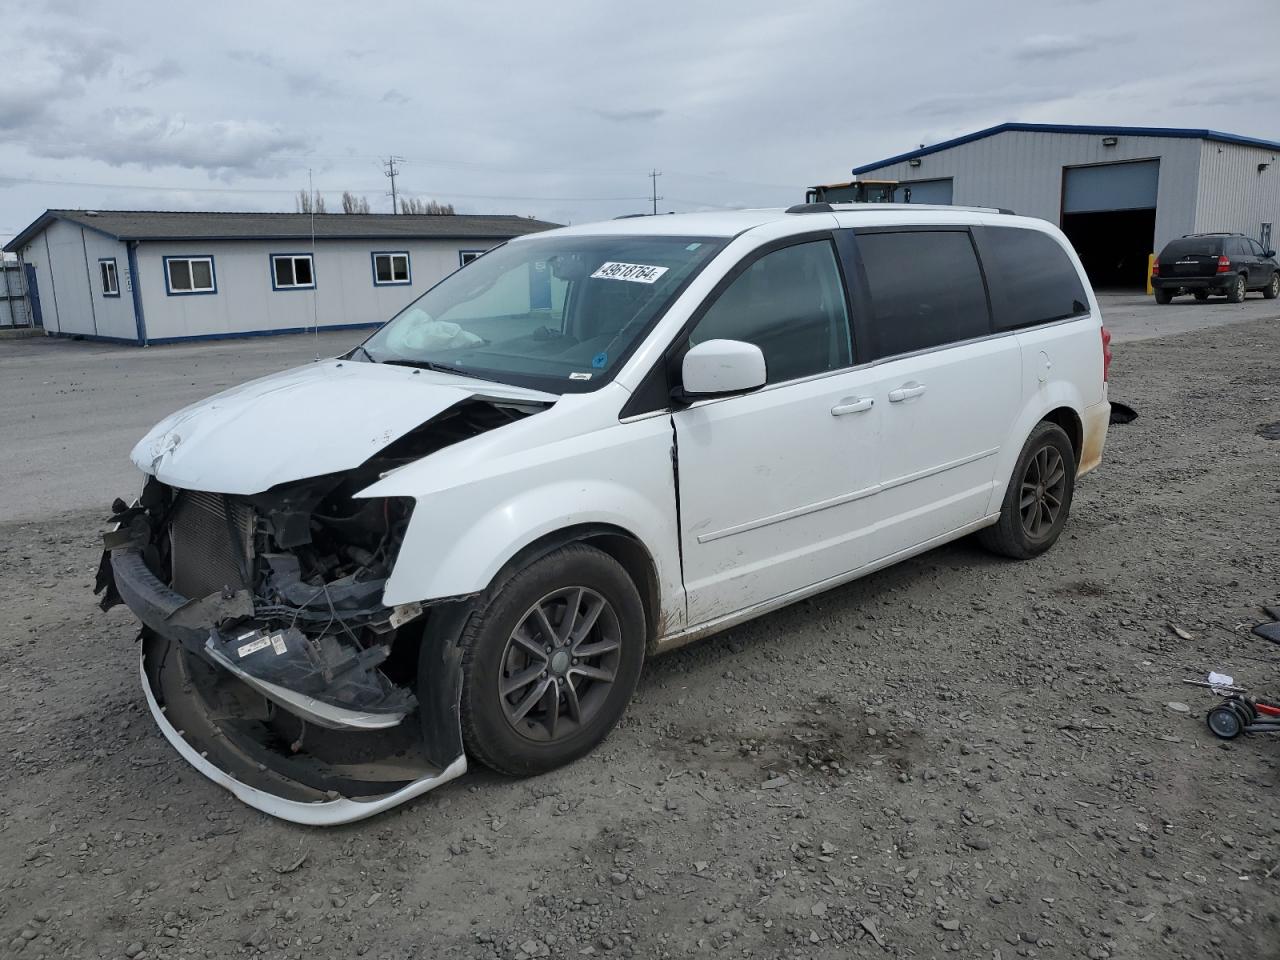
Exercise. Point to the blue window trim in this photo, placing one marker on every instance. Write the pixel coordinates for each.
(213, 275)
(475, 253)
(408, 266)
(116, 270)
(271, 266)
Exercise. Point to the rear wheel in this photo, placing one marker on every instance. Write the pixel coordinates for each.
(1038, 500)
(550, 661)
(1202, 295)
(1235, 292)
(1272, 289)
(1164, 296)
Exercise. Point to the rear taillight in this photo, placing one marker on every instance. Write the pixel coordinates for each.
(1106, 354)
(1155, 269)
(1224, 264)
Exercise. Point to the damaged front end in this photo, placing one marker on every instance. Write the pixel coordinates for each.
(263, 620)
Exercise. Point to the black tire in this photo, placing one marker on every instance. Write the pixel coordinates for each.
(1224, 722)
(1235, 292)
(546, 736)
(1012, 535)
(1272, 289)
(1164, 296)
(1202, 295)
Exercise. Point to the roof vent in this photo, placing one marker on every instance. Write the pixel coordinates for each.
(810, 208)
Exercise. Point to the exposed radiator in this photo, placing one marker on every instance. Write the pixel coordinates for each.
(212, 539)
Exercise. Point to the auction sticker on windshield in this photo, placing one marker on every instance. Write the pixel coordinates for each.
(635, 272)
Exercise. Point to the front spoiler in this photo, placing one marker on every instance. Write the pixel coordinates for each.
(209, 732)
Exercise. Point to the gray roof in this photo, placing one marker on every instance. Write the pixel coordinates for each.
(183, 225)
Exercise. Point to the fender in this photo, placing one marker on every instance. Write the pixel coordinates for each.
(494, 504)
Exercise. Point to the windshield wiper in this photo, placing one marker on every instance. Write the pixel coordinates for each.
(437, 368)
(361, 347)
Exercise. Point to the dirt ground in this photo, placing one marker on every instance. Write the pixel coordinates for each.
(957, 755)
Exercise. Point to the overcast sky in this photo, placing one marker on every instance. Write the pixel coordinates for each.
(560, 109)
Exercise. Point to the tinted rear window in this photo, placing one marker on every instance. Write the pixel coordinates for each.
(1040, 281)
(1202, 246)
(926, 290)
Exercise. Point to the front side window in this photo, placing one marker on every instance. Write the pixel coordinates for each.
(557, 313)
(1039, 281)
(186, 275)
(791, 304)
(390, 269)
(110, 278)
(292, 271)
(926, 290)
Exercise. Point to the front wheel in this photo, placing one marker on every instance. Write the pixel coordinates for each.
(1164, 296)
(1272, 289)
(1235, 293)
(550, 661)
(1038, 500)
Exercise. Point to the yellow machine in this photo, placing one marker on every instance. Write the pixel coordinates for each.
(855, 191)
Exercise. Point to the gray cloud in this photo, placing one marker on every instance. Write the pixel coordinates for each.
(1058, 46)
(136, 136)
(395, 97)
(166, 69)
(630, 116)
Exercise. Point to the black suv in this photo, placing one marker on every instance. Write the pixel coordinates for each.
(1206, 263)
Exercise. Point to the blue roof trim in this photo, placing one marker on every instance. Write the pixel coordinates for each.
(1172, 132)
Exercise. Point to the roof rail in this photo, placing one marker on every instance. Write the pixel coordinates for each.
(810, 208)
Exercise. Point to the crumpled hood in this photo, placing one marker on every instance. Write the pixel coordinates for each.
(328, 416)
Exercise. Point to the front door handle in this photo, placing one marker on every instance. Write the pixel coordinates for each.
(859, 405)
(906, 392)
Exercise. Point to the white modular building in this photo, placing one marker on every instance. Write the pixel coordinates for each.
(1119, 193)
(149, 277)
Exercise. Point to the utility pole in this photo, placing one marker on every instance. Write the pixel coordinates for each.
(654, 175)
(391, 171)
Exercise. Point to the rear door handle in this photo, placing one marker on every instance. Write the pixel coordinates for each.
(906, 393)
(859, 405)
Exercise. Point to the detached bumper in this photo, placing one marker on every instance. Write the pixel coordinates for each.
(232, 736)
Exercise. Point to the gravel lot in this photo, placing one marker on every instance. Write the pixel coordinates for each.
(958, 754)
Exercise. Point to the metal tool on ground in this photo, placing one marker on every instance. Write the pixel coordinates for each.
(1240, 712)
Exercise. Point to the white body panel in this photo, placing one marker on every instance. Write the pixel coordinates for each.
(778, 496)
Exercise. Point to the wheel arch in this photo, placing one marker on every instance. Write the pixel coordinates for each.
(615, 541)
(1072, 425)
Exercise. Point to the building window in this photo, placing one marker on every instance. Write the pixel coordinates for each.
(187, 275)
(466, 256)
(292, 271)
(110, 279)
(390, 269)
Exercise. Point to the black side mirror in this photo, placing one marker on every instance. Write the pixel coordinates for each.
(1269, 254)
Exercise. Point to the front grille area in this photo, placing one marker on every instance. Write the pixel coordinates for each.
(211, 537)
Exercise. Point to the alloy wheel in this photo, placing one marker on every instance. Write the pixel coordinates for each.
(1044, 486)
(559, 664)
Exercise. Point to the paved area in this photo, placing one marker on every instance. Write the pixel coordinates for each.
(74, 410)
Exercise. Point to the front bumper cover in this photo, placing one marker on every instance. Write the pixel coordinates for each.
(259, 746)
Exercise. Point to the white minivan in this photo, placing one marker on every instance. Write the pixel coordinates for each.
(590, 445)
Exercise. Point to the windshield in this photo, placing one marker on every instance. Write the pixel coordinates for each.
(559, 313)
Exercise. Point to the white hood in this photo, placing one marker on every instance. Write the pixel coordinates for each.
(329, 416)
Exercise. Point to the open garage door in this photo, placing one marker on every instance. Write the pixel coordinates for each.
(1109, 215)
(923, 191)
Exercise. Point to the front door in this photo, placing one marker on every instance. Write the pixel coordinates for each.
(775, 485)
(33, 295)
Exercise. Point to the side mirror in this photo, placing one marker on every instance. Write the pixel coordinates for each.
(721, 367)
(1269, 254)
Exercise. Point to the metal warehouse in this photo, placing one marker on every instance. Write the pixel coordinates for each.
(157, 277)
(1119, 193)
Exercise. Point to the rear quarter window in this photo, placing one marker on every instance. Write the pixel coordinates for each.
(926, 290)
(1039, 283)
